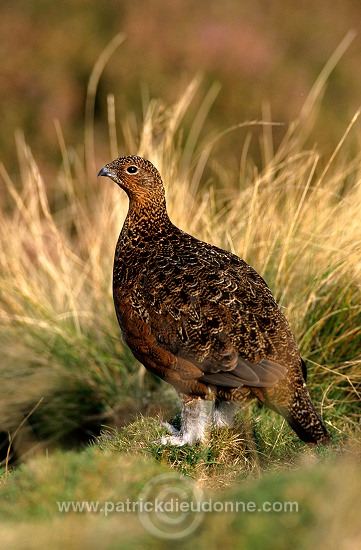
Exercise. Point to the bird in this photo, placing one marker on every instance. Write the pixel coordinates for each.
(201, 318)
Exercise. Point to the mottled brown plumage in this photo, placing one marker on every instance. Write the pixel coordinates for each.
(200, 317)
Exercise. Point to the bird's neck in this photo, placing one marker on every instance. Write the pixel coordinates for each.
(146, 218)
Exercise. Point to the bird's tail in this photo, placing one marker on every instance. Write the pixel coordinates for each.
(304, 420)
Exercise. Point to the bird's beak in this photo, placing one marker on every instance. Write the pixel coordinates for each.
(106, 172)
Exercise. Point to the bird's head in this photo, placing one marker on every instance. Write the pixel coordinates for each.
(136, 175)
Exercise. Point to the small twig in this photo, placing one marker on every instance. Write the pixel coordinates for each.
(12, 437)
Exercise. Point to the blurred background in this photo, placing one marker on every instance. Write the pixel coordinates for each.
(284, 197)
(291, 212)
(262, 53)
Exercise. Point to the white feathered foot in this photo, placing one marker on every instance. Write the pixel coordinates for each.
(193, 424)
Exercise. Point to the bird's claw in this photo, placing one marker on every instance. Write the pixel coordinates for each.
(174, 439)
(171, 429)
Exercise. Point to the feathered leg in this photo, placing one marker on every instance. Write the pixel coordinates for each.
(223, 413)
(194, 421)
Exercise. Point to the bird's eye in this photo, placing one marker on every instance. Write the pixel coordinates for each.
(132, 170)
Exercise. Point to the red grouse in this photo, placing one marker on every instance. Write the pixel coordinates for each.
(201, 318)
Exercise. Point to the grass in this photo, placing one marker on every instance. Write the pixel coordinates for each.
(326, 514)
(295, 219)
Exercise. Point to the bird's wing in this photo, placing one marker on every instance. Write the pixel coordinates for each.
(264, 374)
(214, 311)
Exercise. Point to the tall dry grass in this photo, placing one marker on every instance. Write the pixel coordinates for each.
(296, 219)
